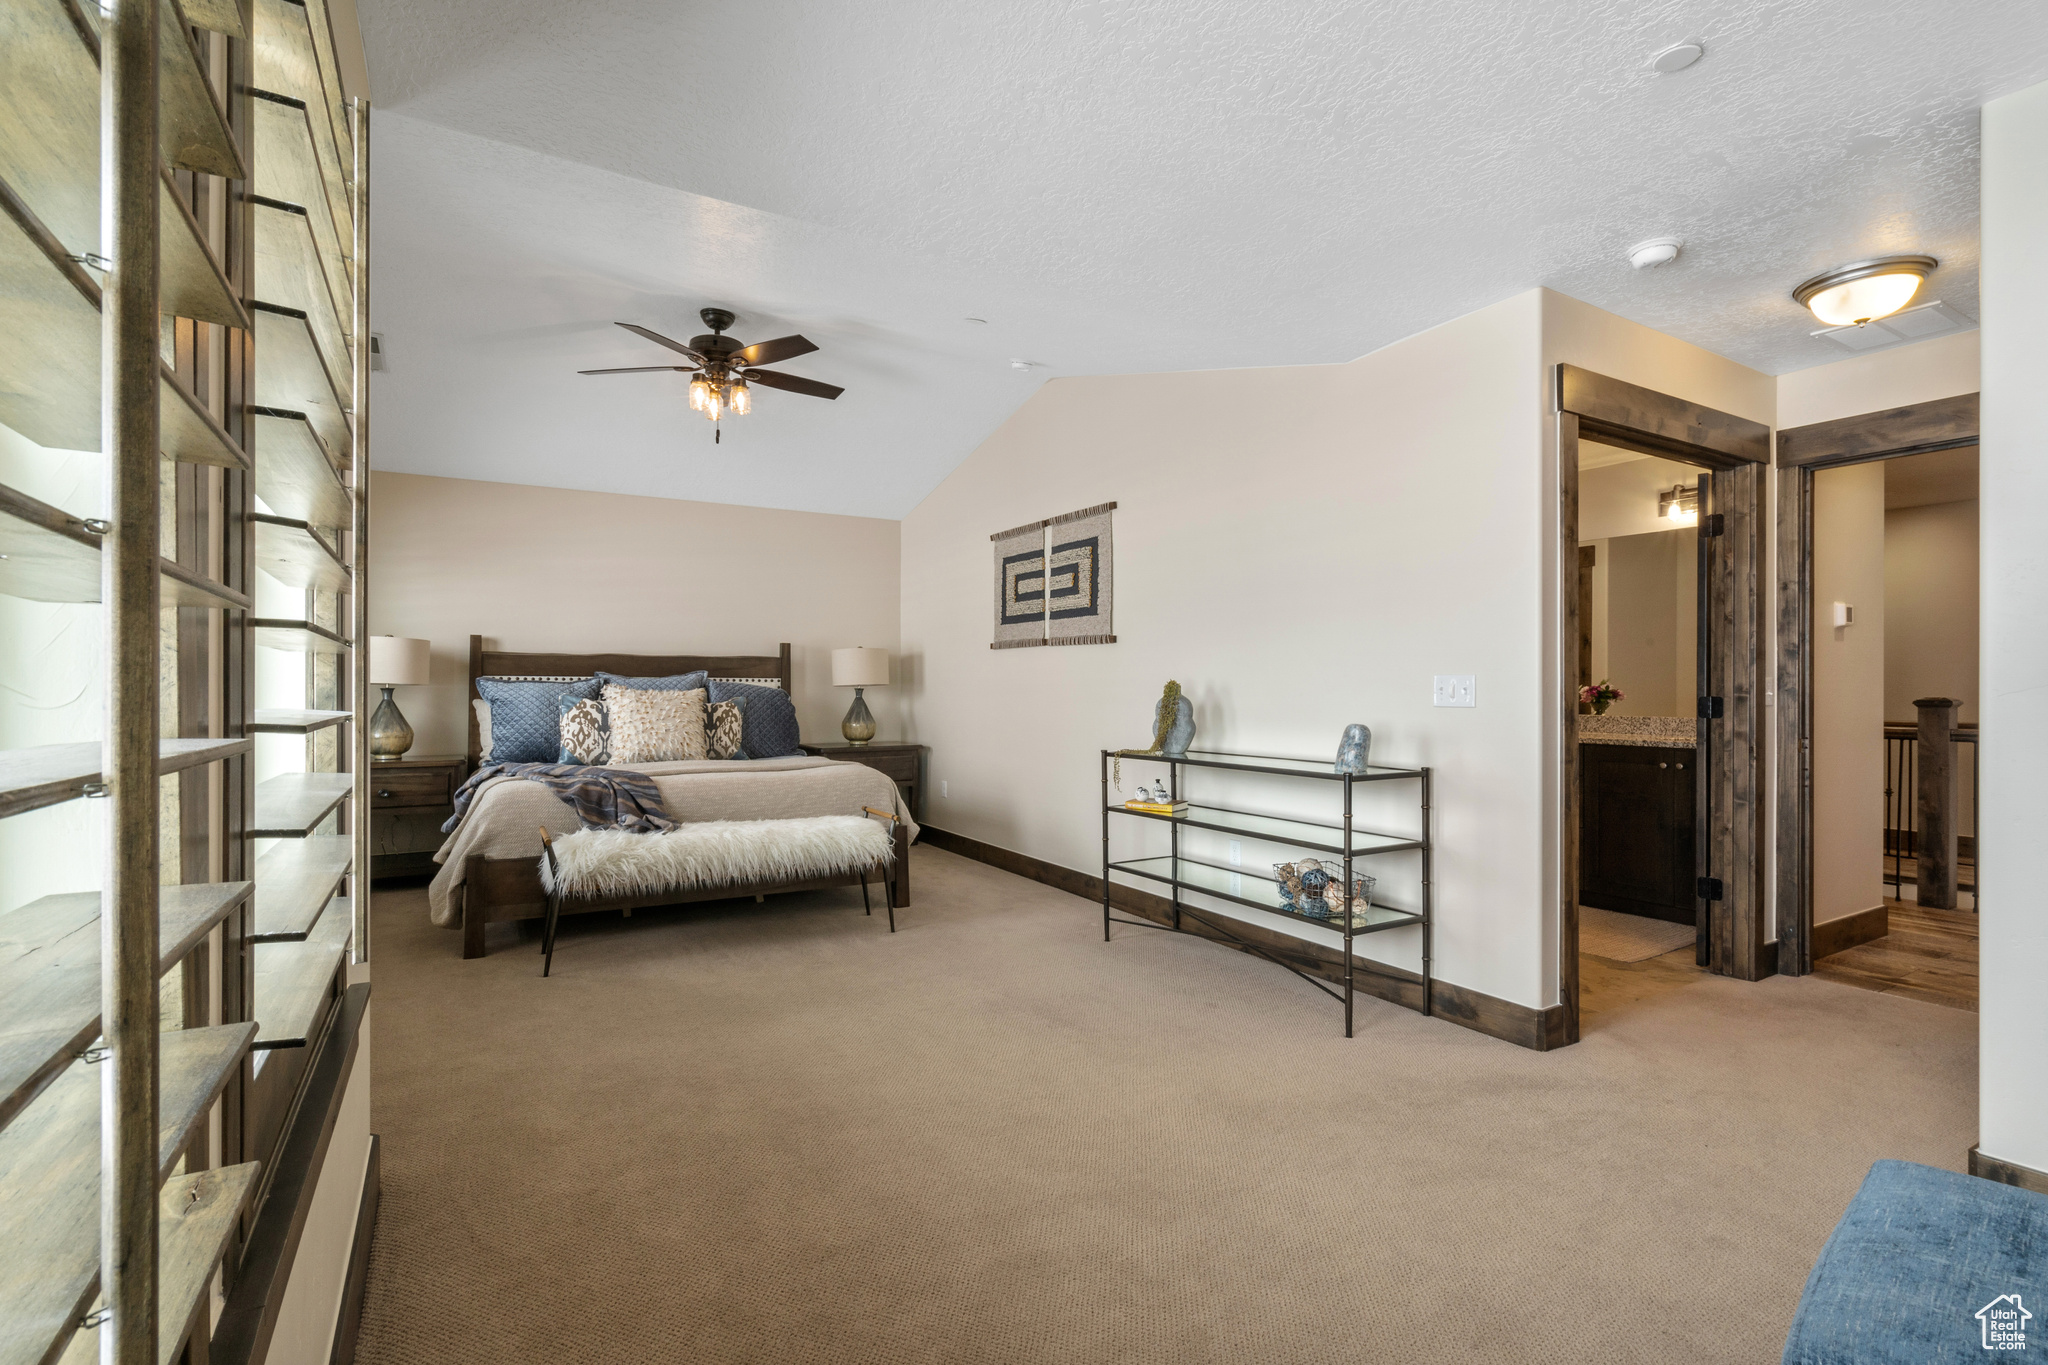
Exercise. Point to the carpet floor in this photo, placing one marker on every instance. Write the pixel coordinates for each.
(777, 1133)
(1628, 938)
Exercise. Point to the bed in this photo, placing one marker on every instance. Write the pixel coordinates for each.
(490, 863)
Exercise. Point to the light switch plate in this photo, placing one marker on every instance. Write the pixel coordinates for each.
(1457, 689)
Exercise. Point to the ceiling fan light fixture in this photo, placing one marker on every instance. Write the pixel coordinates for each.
(1864, 291)
(704, 398)
(739, 398)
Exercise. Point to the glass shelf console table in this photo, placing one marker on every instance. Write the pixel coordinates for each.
(1338, 837)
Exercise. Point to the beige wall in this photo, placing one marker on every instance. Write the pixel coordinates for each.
(552, 569)
(1930, 595)
(1918, 373)
(2013, 978)
(1848, 691)
(1298, 563)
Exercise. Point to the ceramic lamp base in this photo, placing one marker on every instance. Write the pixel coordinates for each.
(859, 725)
(390, 735)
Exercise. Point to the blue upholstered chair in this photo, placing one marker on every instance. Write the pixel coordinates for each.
(1928, 1266)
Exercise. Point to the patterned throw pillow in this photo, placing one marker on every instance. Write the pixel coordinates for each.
(726, 727)
(655, 727)
(526, 716)
(678, 682)
(771, 718)
(586, 732)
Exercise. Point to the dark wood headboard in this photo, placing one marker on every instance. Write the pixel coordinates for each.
(494, 663)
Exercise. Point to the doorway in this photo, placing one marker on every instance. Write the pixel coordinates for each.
(1924, 832)
(1729, 455)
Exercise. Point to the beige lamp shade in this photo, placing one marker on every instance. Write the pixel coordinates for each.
(859, 667)
(399, 662)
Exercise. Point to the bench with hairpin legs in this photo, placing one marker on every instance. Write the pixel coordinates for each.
(892, 871)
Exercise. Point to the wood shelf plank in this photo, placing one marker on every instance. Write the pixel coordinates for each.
(294, 884)
(292, 979)
(294, 271)
(294, 378)
(279, 721)
(50, 352)
(217, 16)
(47, 774)
(289, 805)
(296, 476)
(50, 1183)
(48, 555)
(299, 637)
(287, 62)
(50, 975)
(289, 551)
(196, 1214)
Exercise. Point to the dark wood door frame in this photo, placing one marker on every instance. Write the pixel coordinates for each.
(1944, 424)
(1737, 451)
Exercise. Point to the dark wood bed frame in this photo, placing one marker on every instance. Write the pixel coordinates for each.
(500, 889)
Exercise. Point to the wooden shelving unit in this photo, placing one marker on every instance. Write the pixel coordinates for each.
(243, 208)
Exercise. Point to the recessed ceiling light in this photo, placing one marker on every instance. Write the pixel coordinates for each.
(982, 321)
(1654, 252)
(1677, 57)
(1863, 291)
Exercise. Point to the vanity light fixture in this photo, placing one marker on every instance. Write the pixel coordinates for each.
(1864, 291)
(1681, 505)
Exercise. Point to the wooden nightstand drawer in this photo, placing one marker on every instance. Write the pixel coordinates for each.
(899, 767)
(417, 787)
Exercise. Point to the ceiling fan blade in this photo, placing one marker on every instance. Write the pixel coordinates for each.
(792, 383)
(644, 369)
(660, 340)
(773, 352)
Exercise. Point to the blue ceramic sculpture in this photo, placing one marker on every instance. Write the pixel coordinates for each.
(1354, 749)
(1180, 732)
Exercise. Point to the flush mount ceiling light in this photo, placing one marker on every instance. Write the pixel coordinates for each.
(1677, 57)
(1863, 291)
(1680, 506)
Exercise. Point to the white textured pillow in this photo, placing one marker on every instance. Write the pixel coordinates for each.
(656, 727)
(483, 725)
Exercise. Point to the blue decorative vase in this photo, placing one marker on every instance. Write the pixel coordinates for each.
(1182, 732)
(1354, 749)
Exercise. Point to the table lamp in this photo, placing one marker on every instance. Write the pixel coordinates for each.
(858, 668)
(394, 662)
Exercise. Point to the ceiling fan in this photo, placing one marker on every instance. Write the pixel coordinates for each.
(726, 370)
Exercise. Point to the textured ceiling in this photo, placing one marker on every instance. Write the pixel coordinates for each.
(1120, 185)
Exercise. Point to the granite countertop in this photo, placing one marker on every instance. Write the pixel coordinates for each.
(1660, 732)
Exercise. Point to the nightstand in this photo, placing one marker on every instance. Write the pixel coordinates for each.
(410, 799)
(903, 763)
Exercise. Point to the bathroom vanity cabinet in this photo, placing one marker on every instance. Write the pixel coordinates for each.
(1636, 830)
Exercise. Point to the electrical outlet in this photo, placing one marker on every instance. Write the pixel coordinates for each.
(1456, 689)
(1236, 853)
(943, 793)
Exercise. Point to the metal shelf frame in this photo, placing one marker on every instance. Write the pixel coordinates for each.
(1344, 839)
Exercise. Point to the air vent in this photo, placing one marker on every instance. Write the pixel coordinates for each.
(1911, 324)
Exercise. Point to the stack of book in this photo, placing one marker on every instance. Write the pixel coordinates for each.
(1157, 807)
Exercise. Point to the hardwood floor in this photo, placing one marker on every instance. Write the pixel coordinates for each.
(1929, 955)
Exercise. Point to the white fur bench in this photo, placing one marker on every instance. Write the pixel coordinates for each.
(600, 868)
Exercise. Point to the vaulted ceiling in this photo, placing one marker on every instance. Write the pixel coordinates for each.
(1115, 186)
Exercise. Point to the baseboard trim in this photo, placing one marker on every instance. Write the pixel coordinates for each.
(2007, 1172)
(349, 1322)
(1833, 935)
(1539, 1030)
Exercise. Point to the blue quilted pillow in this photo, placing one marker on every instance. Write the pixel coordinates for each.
(678, 682)
(768, 728)
(526, 717)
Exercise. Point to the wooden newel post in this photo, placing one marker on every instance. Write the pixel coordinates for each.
(1934, 846)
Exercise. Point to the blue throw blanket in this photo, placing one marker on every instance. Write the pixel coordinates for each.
(604, 798)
